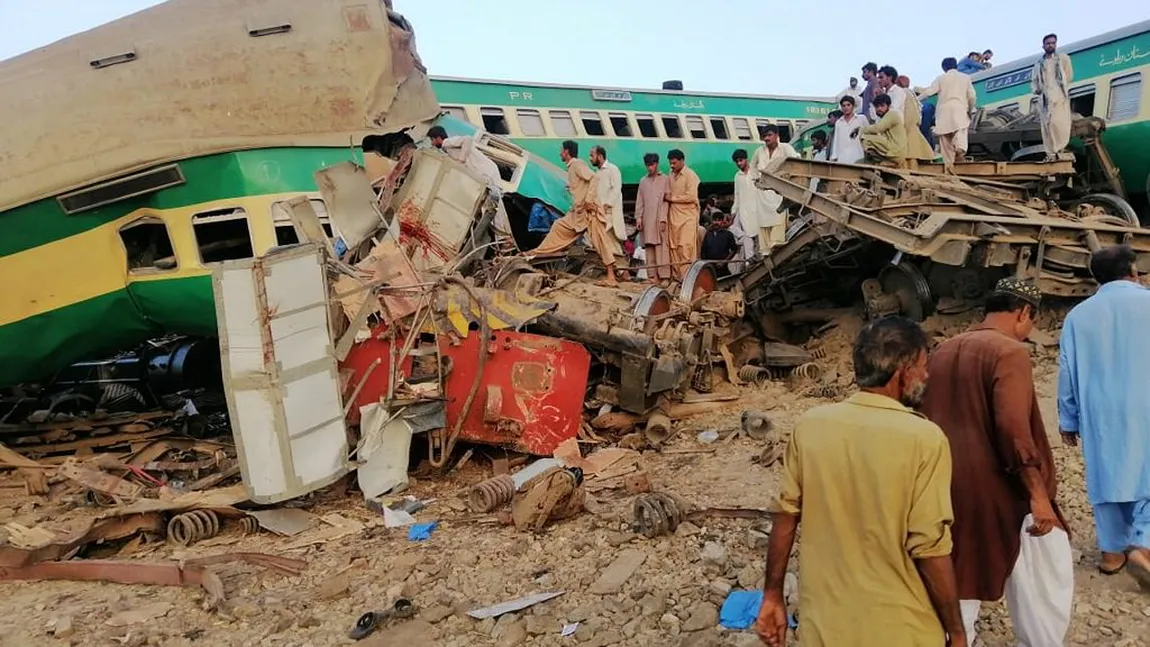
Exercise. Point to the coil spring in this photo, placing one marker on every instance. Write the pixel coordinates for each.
(810, 370)
(188, 528)
(824, 391)
(248, 525)
(491, 494)
(656, 514)
(817, 352)
(752, 373)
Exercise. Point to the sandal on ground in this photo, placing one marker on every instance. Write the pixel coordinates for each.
(1116, 570)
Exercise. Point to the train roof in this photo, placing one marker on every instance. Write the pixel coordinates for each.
(668, 93)
(1072, 48)
(187, 78)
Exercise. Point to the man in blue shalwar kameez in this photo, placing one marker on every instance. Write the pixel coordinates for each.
(1104, 375)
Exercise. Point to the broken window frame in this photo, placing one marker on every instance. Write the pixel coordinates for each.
(696, 127)
(627, 130)
(591, 121)
(786, 130)
(148, 219)
(1130, 111)
(738, 124)
(759, 125)
(722, 131)
(1078, 94)
(666, 120)
(220, 215)
(280, 218)
(531, 116)
(457, 112)
(495, 112)
(649, 120)
(556, 117)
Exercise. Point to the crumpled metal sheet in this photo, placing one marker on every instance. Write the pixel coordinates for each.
(505, 309)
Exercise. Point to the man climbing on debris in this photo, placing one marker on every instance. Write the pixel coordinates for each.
(1102, 377)
(869, 479)
(464, 151)
(845, 147)
(586, 215)
(956, 102)
(1050, 80)
(610, 191)
(767, 159)
(1009, 535)
(683, 214)
(651, 211)
(884, 142)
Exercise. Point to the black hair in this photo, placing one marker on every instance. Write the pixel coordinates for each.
(834, 114)
(881, 100)
(871, 67)
(1054, 36)
(599, 149)
(769, 128)
(437, 131)
(972, 55)
(949, 63)
(885, 346)
(1113, 263)
(739, 154)
(998, 301)
(847, 99)
(819, 134)
(675, 154)
(572, 147)
(650, 158)
(889, 70)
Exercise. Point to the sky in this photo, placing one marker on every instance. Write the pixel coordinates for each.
(738, 46)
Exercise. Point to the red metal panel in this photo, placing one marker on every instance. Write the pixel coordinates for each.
(530, 395)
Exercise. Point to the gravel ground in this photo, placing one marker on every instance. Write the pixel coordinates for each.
(672, 598)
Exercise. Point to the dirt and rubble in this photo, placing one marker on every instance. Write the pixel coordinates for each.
(618, 587)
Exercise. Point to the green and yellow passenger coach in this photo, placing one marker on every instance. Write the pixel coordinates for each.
(628, 123)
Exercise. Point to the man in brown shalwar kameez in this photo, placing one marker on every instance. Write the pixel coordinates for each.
(683, 214)
(651, 208)
(586, 216)
(1009, 536)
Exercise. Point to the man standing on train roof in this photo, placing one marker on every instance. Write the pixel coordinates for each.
(651, 219)
(683, 214)
(1102, 378)
(852, 90)
(463, 150)
(767, 159)
(956, 101)
(1009, 536)
(610, 191)
(1050, 80)
(869, 74)
(971, 64)
(884, 143)
(846, 148)
(586, 215)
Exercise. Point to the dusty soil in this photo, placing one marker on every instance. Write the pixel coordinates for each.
(671, 599)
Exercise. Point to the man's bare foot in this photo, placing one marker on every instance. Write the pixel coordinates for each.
(1112, 563)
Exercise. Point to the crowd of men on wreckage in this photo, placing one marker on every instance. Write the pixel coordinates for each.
(879, 123)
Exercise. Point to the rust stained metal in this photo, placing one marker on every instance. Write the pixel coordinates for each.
(100, 530)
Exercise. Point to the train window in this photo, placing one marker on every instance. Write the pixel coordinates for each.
(647, 125)
(784, 131)
(562, 123)
(1124, 94)
(458, 112)
(1082, 100)
(620, 124)
(222, 235)
(285, 231)
(148, 245)
(760, 124)
(742, 128)
(696, 127)
(494, 121)
(1033, 104)
(530, 122)
(719, 127)
(592, 123)
(672, 127)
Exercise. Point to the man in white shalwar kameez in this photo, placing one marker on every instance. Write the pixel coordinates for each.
(956, 100)
(844, 148)
(751, 204)
(768, 158)
(464, 151)
(1050, 80)
(610, 190)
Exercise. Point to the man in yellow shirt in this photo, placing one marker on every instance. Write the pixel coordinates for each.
(683, 214)
(870, 481)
